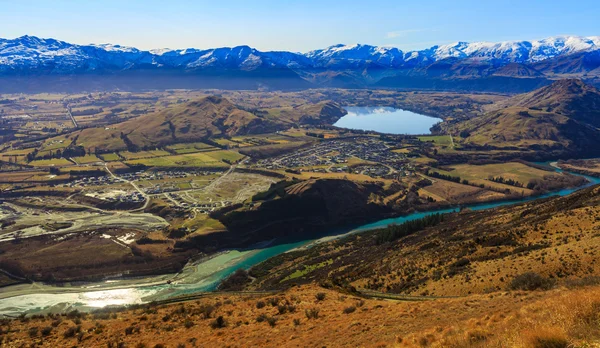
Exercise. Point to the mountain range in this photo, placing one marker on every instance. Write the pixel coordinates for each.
(29, 58)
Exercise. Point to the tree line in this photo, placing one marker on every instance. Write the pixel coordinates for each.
(502, 180)
(437, 175)
(394, 232)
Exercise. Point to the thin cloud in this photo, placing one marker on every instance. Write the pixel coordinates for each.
(406, 32)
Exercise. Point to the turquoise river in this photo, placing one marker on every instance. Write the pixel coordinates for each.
(198, 276)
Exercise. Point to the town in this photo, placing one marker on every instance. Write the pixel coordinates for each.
(373, 157)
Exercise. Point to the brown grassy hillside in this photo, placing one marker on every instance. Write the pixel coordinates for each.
(563, 117)
(558, 239)
(310, 316)
(201, 119)
(568, 97)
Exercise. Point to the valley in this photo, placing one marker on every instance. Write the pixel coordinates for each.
(168, 178)
(116, 199)
(385, 174)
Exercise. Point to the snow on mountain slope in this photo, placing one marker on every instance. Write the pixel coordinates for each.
(388, 56)
(519, 51)
(29, 53)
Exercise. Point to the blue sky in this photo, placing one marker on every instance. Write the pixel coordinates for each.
(296, 25)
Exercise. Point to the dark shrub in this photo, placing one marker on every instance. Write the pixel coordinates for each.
(102, 315)
(218, 323)
(74, 314)
(206, 310)
(349, 310)
(70, 332)
(530, 281)
(549, 342)
(131, 330)
(236, 281)
(33, 331)
(320, 296)
(312, 313)
(272, 321)
(260, 304)
(282, 309)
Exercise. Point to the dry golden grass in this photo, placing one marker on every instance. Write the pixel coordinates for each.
(558, 318)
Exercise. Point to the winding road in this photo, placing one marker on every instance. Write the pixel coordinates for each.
(135, 186)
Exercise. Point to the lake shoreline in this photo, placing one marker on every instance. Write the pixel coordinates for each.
(387, 120)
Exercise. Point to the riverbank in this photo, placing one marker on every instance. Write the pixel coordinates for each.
(468, 252)
(204, 276)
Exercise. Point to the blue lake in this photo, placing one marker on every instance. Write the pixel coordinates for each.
(386, 120)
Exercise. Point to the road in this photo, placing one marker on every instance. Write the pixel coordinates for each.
(135, 186)
(200, 295)
(400, 297)
(147, 197)
(72, 118)
(168, 196)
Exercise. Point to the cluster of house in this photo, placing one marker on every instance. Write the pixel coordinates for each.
(327, 157)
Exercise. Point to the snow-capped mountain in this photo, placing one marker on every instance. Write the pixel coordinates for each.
(31, 54)
(333, 55)
(519, 51)
(29, 63)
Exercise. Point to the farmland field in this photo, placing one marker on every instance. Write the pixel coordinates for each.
(453, 192)
(110, 157)
(224, 155)
(55, 143)
(51, 162)
(201, 159)
(511, 170)
(443, 140)
(19, 176)
(87, 159)
(226, 142)
(143, 154)
(190, 148)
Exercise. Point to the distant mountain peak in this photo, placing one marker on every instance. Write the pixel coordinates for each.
(362, 63)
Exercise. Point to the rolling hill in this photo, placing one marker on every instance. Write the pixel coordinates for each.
(570, 97)
(294, 210)
(563, 118)
(199, 120)
(455, 255)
